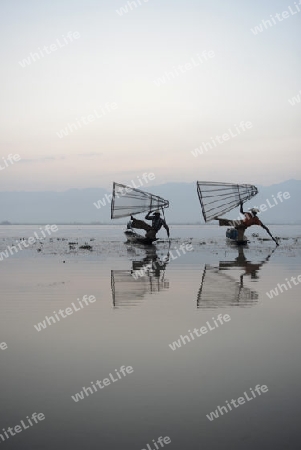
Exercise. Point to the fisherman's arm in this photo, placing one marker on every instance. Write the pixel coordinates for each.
(166, 228)
(241, 209)
(148, 217)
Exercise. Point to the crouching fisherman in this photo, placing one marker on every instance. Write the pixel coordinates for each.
(151, 230)
(241, 225)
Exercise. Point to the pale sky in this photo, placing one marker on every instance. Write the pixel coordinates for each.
(114, 61)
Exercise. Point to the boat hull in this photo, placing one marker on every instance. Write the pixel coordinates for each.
(232, 235)
(136, 238)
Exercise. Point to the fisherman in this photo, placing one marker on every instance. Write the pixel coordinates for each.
(249, 220)
(151, 230)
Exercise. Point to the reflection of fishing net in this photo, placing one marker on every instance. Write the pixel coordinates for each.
(128, 201)
(219, 198)
(128, 291)
(219, 290)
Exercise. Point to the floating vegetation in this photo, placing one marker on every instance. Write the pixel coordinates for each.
(86, 247)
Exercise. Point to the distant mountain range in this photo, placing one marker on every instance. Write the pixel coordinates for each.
(78, 205)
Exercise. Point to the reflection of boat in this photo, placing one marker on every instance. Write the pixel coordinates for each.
(146, 276)
(220, 288)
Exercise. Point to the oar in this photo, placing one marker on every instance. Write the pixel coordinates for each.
(272, 236)
(165, 221)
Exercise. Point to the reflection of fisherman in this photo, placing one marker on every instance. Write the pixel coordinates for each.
(151, 230)
(216, 288)
(251, 269)
(150, 265)
(156, 265)
(249, 220)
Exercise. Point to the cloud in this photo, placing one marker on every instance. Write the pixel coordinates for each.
(48, 159)
(39, 160)
(90, 155)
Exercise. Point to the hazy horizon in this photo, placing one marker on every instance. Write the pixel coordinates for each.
(144, 187)
(90, 206)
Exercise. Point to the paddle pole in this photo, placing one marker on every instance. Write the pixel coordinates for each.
(268, 231)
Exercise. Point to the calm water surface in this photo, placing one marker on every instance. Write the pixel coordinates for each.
(133, 322)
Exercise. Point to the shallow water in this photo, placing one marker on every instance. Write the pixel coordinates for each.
(133, 322)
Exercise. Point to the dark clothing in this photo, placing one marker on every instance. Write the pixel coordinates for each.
(157, 222)
(151, 230)
(140, 225)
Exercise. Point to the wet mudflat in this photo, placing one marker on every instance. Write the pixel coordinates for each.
(161, 312)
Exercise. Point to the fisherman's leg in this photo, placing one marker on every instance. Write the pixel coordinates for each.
(151, 234)
(140, 224)
(240, 233)
(231, 223)
(225, 222)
